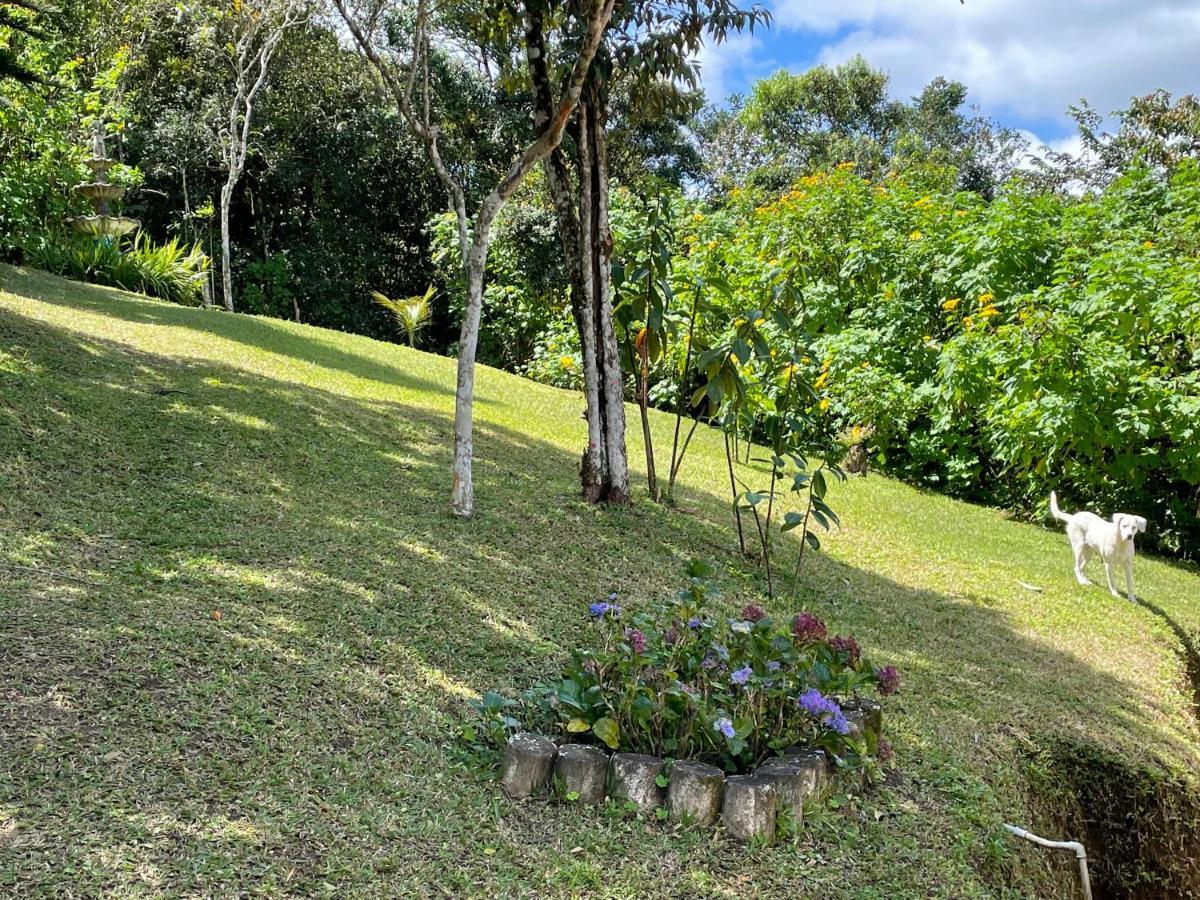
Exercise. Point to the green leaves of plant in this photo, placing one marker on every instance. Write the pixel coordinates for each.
(608, 731)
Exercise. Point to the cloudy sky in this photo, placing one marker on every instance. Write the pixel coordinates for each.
(1024, 61)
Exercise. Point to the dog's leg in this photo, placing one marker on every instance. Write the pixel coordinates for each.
(1080, 561)
(1129, 581)
(1112, 584)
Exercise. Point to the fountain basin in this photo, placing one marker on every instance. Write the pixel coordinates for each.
(104, 226)
(100, 191)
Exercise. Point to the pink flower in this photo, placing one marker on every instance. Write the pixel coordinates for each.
(636, 639)
(849, 644)
(807, 628)
(889, 680)
(753, 612)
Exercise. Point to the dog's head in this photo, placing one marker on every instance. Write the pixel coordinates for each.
(1128, 526)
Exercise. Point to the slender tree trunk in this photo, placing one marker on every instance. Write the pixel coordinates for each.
(226, 256)
(463, 494)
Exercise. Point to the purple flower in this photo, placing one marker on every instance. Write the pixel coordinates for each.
(849, 644)
(753, 612)
(710, 660)
(636, 639)
(807, 628)
(884, 751)
(612, 598)
(889, 680)
(773, 666)
(671, 636)
(598, 610)
(694, 623)
(824, 709)
(724, 726)
(742, 675)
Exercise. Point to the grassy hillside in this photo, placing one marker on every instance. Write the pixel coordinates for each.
(159, 465)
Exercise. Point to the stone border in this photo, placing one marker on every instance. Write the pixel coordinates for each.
(749, 806)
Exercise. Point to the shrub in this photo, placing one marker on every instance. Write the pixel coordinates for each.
(169, 271)
(680, 680)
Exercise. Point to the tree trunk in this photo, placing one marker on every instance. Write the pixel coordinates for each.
(587, 245)
(226, 269)
(462, 501)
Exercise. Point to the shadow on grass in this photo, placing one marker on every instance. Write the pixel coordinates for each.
(288, 622)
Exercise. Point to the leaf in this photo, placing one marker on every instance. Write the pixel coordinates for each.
(660, 813)
(572, 796)
(791, 520)
(578, 726)
(818, 484)
(608, 731)
(813, 540)
(662, 780)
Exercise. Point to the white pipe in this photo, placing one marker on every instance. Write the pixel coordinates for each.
(1073, 846)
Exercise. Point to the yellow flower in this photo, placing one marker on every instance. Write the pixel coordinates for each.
(711, 245)
(821, 379)
(924, 201)
(888, 293)
(1147, 244)
(824, 404)
(960, 212)
(805, 360)
(985, 299)
(567, 362)
(951, 304)
(968, 322)
(988, 311)
(697, 217)
(759, 321)
(842, 167)
(915, 236)
(739, 322)
(927, 338)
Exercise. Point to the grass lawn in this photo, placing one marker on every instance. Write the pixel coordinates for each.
(247, 674)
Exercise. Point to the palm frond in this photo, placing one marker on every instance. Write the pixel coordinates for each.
(412, 314)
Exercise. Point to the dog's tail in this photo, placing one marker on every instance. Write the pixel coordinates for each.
(1055, 511)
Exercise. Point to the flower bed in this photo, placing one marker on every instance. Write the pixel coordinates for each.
(759, 713)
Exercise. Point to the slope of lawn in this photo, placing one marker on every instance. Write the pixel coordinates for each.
(239, 631)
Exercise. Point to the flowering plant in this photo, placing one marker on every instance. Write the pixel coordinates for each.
(682, 680)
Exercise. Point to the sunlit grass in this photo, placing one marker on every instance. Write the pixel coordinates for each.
(169, 464)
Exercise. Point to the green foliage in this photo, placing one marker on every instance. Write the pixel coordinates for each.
(679, 681)
(412, 314)
(169, 270)
(994, 350)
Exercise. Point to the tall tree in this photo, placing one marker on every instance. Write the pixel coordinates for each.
(256, 28)
(652, 43)
(413, 92)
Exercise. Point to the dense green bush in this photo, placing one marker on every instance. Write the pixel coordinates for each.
(997, 350)
(170, 270)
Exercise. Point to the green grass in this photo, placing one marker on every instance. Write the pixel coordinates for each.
(179, 462)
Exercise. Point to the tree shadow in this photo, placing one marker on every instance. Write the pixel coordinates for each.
(289, 623)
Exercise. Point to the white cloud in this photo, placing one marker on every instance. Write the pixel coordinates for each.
(739, 53)
(1022, 58)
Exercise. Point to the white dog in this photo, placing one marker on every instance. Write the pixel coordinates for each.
(1111, 541)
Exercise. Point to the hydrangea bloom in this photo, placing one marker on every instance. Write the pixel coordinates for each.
(724, 726)
(602, 609)
(711, 660)
(825, 709)
(636, 639)
(773, 666)
(807, 628)
(694, 623)
(753, 612)
(849, 644)
(889, 679)
(742, 675)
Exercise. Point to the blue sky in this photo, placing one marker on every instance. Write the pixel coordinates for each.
(1024, 61)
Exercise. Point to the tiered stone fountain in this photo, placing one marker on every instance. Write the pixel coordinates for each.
(103, 225)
